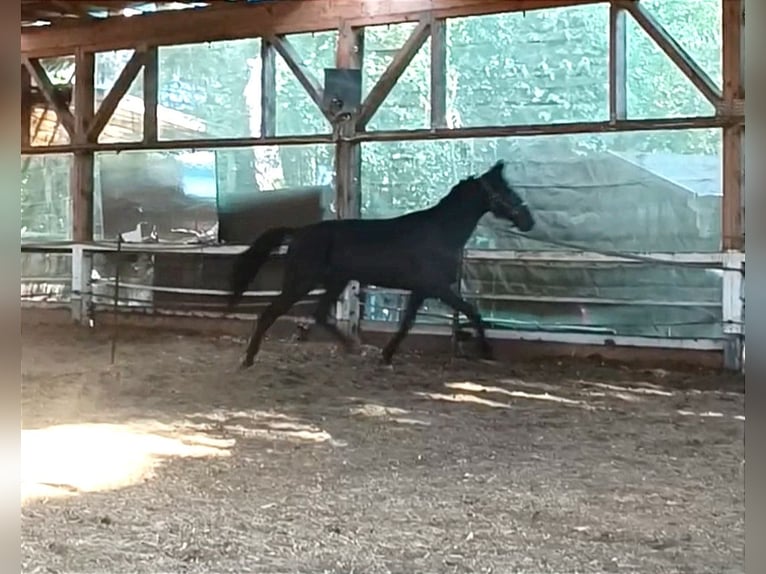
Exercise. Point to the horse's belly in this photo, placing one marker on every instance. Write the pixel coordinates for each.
(384, 268)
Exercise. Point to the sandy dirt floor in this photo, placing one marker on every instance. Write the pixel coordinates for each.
(172, 461)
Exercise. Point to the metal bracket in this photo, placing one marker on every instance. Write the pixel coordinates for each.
(733, 293)
(348, 310)
(342, 91)
(81, 290)
(733, 309)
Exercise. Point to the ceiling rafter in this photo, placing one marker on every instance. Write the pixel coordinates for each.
(61, 12)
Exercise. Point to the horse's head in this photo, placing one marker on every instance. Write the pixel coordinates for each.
(503, 201)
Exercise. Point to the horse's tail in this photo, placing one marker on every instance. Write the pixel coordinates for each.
(249, 262)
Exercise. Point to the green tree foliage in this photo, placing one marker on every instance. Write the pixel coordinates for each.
(45, 204)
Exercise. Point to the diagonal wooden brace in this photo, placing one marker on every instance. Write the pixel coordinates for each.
(40, 76)
(115, 95)
(391, 75)
(674, 51)
(312, 86)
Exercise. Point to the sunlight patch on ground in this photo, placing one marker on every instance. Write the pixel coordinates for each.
(644, 389)
(476, 388)
(708, 415)
(627, 397)
(548, 387)
(633, 392)
(255, 414)
(373, 410)
(65, 460)
(258, 424)
(393, 414)
(307, 433)
(464, 398)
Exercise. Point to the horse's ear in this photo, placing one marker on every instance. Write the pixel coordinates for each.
(498, 167)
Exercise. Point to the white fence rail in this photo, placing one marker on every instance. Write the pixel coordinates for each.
(730, 265)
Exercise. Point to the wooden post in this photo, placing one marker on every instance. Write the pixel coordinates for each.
(348, 167)
(81, 187)
(438, 74)
(350, 53)
(268, 90)
(151, 95)
(618, 64)
(731, 210)
(82, 182)
(732, 232)
(26, 107)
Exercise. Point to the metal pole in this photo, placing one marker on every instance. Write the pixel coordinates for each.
(116, 299)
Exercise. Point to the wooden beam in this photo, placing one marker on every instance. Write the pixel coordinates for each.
(618, 63)
(547, 129)
(36, 97)
(312, 86)
(392, 73)
(667, 124)
(248, 21)
(348, 163)
(26, 107)
(348, 170)
(349, 52)
(151, 94)
(732, 207)
(44, 84)
(66, 8)
(85, 71)
(183, 144)
(674, 51)
(268, 90)
(733, 53)
(119, 89)
(438, 74)
(732, 230)
(81, 176)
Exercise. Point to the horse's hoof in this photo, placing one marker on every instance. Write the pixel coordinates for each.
(386, 363)
(244, 365)
(302, 333)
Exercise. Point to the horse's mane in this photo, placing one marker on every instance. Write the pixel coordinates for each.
(457, 191)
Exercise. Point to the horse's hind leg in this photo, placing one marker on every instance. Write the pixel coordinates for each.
(281, 305)
(408, 318)
(333, 290)
(460, 305)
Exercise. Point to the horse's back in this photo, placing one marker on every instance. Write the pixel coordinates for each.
(384, 252)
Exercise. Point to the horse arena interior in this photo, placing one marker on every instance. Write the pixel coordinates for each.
(171, 460)
(605, 254)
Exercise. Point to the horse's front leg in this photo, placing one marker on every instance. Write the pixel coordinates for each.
(408, 319)
(449, 297)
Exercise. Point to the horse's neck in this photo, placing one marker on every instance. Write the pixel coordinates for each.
(458, 217)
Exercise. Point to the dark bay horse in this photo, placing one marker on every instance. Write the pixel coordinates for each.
(418, 252)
